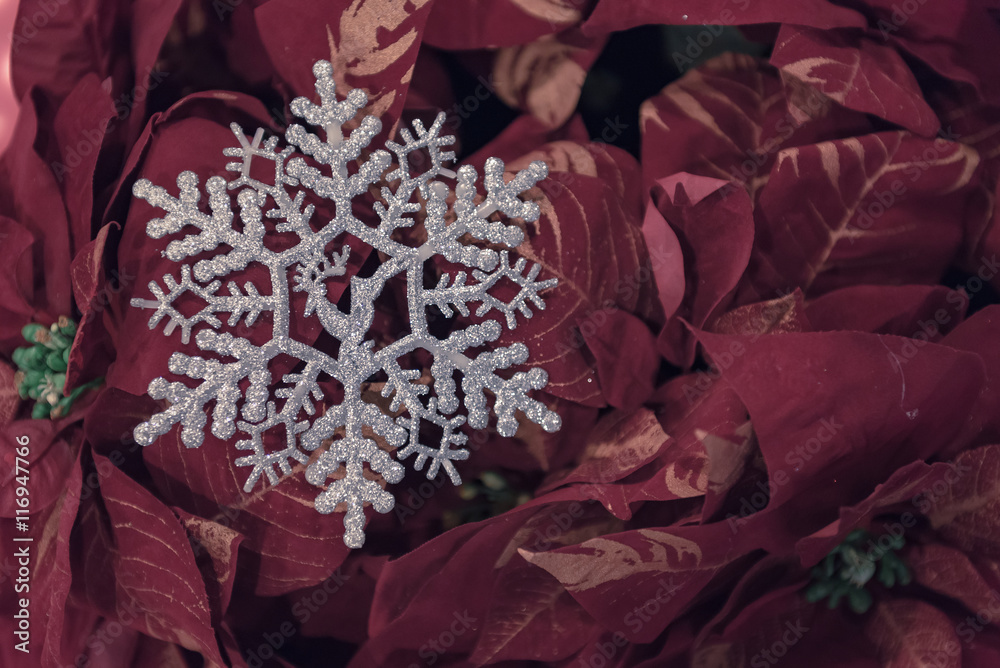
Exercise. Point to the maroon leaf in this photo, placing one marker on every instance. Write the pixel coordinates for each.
(881, 210)
(912, 634)
(610, 16)
(216, 547)
(836, 413)
(858, 72)
(927, 311)
(137, 564)
(371, 44)
(714, 227)
(638, 581)
(625, 352)
(729, 118)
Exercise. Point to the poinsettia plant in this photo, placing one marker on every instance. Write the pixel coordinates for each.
(766, 243)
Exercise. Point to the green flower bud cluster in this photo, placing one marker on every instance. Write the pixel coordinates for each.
(845, 572)
(42, 367)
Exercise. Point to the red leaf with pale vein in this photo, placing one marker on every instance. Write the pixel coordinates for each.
(621, 443)
(544, 77)
(589, 238)
(138, 565)
(532, 618)
(612, 575)
(912, 634)
(372, 45)
(950, 572)
(967, 514)
(50, 459)
(93, 348)
(50, 571)
(459, 574)
(857, 72)
(783, 314)
(293, 546)
(874, 209)
(216, 547)
(729, 118)
(10, 399)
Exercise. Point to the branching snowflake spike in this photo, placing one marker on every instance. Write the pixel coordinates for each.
(286, 422)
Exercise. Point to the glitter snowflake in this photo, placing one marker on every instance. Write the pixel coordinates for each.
(240, 383)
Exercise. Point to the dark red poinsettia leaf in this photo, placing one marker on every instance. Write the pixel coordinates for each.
(16, 284)
(93, 347)
(216, 547)
(836, 413)
(904, 493)
(965, 512)
(371, 44)
(977, 335)
(30, 196)
(87, 269)
(461, 579)
(478, 24)
(714, 227)
(9, 397)
(349, 591)
(953, 43)
(909, 633)
(730, 117)
(700, 414)
(868, 196)
(619, 445)
(80, 126)
(290, 545)
(50, 459)
(57, 55)
(52, 642)
(588, 238)
(949, 572)
(135, 561)
(857, 71)
(533, 618)
(638, 581)
(610, 16)
(929, 311)
(625, 353)
(783, 314)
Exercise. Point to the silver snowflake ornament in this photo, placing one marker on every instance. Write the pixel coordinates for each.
(240, 381)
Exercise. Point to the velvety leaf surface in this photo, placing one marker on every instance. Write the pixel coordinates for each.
(147, 572)
(371, 44)
(913, 634)
(856, 71)
(609, 16)
(848, 410)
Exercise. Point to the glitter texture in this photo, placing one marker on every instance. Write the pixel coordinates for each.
(305, 266)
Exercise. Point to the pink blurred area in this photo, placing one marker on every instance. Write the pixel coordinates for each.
(8, 103)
